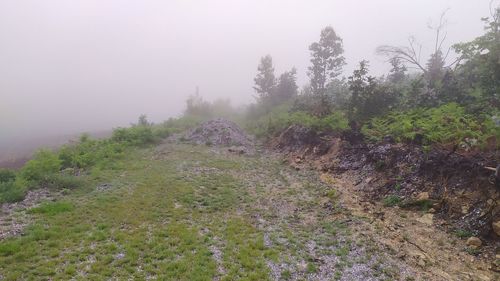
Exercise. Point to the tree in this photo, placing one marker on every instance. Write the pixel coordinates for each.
(435, 69)
(397, 74)
(143, 121)
(480, 62)
(411, 54)
(197, 106)
(327, 61)
(368, 98)
(265, 81)
(286, 87)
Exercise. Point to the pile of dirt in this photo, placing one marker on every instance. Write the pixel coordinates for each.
(221, 132)
(457, 188)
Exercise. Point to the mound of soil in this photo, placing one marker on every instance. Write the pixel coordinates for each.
(456, 188)
(221, 132)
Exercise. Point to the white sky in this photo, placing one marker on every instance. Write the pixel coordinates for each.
(81, 65)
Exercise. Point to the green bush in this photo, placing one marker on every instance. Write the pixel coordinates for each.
(282, 117)
(7, 175)
(12, 191)
(44, 164)
(391, 200)
(447, 124)
(177, 125)
(135, 135)
(89, 153)
(60, 181)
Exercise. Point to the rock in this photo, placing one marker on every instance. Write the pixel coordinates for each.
(432, 210)
(496, 227)
(237, 149)
(302, 266)
(426, 219)
(474, 242)
(220, 132)
(465, 209)
(103, 187)
(422, 196)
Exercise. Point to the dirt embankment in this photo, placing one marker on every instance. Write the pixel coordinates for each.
(453, 190)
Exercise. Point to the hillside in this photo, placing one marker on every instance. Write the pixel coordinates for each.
(179, 211)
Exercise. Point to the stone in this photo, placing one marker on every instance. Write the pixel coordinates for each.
(426, 219)
(465, 209)
(496, 227)
(422, 196)
(474, 242)
(432, 210)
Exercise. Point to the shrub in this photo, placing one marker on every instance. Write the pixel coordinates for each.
(447, 124)
(60, 181)
(44, 164)
(282, 117)
(12, 191)
(89, 153)
(392, 200)
(176, 125)
(7, 175)
(136, 135)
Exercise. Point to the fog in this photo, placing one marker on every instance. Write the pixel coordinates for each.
(84, 65)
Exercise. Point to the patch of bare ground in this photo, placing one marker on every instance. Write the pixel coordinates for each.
(417, 206)
(315, 232)
(13, 216)
(412, 237)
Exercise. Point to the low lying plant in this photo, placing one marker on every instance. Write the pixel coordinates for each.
(447, 124)
(282, 117)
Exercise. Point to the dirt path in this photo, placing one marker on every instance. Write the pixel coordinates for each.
(183, 212)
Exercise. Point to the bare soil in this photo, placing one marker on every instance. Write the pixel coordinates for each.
(459, 198)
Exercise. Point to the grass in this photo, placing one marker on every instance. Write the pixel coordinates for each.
(391, 200)
(52, 208)
(149, 224)
(162, 217)
(462, 233)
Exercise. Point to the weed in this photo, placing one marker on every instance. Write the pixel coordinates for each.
(11, 192)
(52, 208)
(392, 200)
(473, 251)
(9, 248)
(7, 175)
(286, 275)
(462, 233)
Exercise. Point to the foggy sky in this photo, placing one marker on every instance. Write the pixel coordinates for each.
(83, 65)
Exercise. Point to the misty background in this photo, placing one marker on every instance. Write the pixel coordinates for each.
(72, 66)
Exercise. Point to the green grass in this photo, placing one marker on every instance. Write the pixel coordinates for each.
(447, 124)
(462, 233)
(391, 200)
(149, 224)
(162, 217)
(52, 208)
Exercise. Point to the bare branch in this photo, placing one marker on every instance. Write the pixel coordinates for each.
(406, 54)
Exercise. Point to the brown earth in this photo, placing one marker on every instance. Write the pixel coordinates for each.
(441, 195)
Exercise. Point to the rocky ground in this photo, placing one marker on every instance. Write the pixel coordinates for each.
(446, 190)
(219, 133)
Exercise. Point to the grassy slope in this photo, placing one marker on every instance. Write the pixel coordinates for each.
(185, 213)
